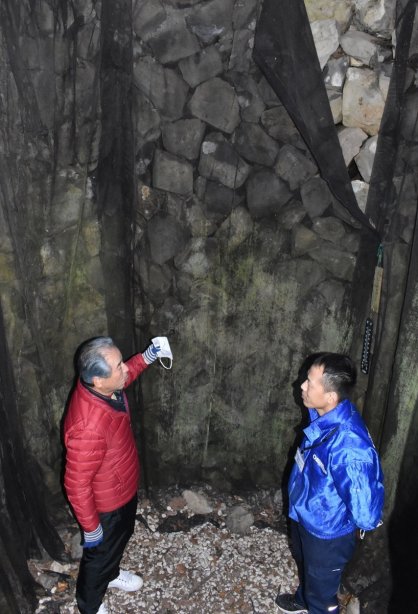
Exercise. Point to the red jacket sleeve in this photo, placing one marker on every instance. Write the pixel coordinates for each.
(85, 452)
(136, 366)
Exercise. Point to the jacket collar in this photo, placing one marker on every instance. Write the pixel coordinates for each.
(321, 424)
(118, 402)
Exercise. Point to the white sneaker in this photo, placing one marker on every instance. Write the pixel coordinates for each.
(103, 609)
(126, 581)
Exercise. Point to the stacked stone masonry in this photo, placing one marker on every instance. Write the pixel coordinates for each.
(239, 239)
(241, 256)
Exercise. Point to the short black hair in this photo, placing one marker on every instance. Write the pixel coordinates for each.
(339, 375)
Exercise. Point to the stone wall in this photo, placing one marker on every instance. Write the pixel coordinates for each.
(148, 167)
(51, 279)
(244, 258)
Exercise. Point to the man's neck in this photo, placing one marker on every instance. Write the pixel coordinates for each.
(106, 394)
(326, 410)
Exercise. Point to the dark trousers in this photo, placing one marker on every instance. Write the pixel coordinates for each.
(100, 565)
(320, 564)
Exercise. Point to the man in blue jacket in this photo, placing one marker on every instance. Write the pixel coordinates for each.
(335, 487)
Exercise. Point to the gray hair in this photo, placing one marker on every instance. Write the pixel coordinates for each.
(91, 361)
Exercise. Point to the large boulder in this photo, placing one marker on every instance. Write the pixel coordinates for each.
(250, 102)
(363, 100)
(266, 193)
(172, 174)
(166, 238)
(293, 167)
(326, 39)
(279, 125)
(340, 10)
(351, 140)
(219, 200)
(162, 86)
(147, 120)
(377, 16)
(216, 103)
(202, 66)
(183, 137)
(220, 161)
(172, 40)
(255, 145)
(365, 158)
(335, 72)
(316, 196)
(211, 20)
(365, 48)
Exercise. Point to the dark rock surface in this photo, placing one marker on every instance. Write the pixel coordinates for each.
(152, 182)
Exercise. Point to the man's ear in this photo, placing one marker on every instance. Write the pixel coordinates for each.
(97, 382)
(334, 396)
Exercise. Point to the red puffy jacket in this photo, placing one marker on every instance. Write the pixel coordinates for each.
(102, 466)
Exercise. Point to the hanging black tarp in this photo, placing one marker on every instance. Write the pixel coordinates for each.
(398, 124)
(25, 523)
(285, 52)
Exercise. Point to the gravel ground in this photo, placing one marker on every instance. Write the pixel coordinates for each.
(190, 563)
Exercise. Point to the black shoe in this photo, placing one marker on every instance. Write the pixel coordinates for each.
(288, 605)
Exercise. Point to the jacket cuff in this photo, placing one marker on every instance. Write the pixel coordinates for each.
(150, 354)
(93, 538)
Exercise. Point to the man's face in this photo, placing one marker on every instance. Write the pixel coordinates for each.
(313, 393)
(118, 375)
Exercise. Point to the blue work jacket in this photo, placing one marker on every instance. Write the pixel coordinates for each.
(336, 484)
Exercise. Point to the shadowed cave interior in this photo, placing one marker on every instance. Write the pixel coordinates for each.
(240, 176)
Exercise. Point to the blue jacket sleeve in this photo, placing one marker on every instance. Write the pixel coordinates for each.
(360, 486)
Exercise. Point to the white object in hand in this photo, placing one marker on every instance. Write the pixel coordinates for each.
(162, 346)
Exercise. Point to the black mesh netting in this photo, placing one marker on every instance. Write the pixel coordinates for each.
(285, 51)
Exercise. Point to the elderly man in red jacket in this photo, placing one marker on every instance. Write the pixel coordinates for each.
(102, 467)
